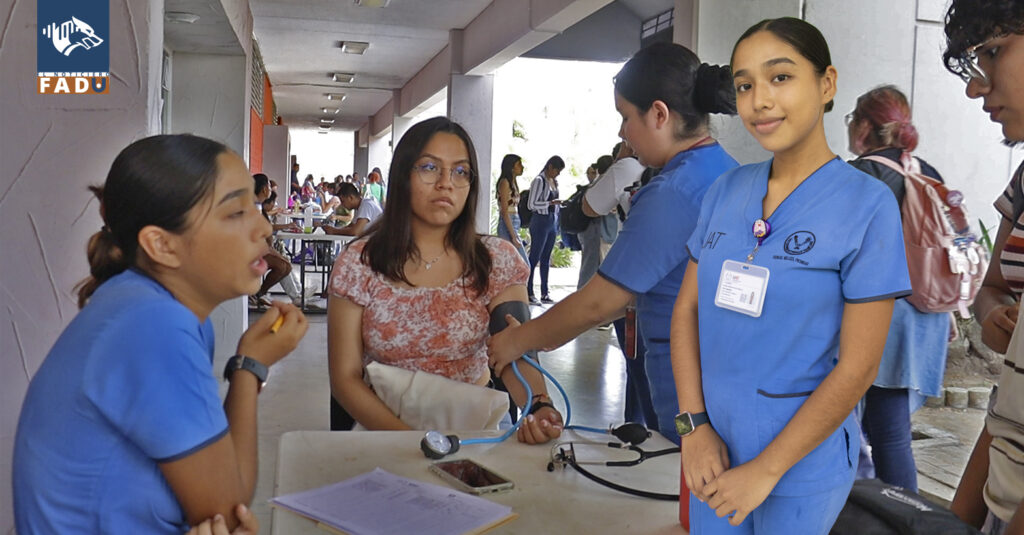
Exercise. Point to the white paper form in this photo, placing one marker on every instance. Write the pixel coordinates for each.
(381, 503)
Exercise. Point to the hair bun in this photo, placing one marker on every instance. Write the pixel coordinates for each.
(713, 91)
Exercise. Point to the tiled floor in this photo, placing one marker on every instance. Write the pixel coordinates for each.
(296, 398)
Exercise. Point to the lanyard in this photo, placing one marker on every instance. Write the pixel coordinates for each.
(761, 229)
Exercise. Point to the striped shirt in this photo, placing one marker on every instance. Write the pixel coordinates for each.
(541, 195)
(1011, 259)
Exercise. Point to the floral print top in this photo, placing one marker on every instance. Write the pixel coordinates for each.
(440, 330)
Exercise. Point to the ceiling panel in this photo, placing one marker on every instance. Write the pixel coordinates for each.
(299, 43)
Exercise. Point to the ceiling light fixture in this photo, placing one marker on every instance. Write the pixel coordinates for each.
(354, 47)
(325, 120)
(371, 3)
(336, 96)
(330, 110)
(343, 77)
(183, 17)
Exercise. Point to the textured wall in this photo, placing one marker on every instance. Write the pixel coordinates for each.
(51, 148)
(875, 42)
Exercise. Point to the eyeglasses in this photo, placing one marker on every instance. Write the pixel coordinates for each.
(429, 173)
(848, 118)
(969, 64)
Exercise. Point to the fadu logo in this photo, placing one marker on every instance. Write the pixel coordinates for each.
(73, 47)
(71, 35)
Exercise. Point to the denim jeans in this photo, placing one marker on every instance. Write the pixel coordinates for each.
(503, 233)
(886, 424)
(542, 241)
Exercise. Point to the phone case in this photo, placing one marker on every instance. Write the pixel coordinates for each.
(465, 486)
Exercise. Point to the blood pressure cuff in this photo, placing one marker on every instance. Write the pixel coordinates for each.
(518, 310)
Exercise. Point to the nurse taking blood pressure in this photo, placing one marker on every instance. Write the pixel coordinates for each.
(795, 263)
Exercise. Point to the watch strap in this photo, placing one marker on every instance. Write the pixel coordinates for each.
(251, 365)
(699, 419)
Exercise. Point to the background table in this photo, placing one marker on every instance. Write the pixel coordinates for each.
(323, 269)
(562, 501)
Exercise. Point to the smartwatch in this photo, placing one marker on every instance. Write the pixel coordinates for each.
(253, 366)
(686, 422)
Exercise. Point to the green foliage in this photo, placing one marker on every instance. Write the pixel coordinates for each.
(518, 131)
(986, 238)
(561, 257)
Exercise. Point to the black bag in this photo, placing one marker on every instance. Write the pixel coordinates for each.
(523, 207)
(876, 508)
(571, 219)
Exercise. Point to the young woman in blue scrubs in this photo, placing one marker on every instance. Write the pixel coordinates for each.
(665, 96)
(122, 429)
(783, 312)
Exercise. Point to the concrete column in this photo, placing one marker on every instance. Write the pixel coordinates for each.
(471, 104)
(276, 164)
(398, 129)
(51, 148)
(379, 153)
(361, 155)
(209, 98)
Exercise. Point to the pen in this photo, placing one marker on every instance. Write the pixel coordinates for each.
(277, 324)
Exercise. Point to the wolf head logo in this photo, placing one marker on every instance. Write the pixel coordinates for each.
(71, 35)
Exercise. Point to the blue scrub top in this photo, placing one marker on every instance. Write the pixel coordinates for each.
(836, 239)
(649, 256)
(127, 385)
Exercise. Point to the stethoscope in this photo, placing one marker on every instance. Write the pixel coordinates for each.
(436, 445)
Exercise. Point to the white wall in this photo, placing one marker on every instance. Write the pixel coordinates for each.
(208, 97)
(876, 42)
(51, 148)
(276, 151)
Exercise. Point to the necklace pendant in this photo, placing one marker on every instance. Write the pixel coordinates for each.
(427, 266)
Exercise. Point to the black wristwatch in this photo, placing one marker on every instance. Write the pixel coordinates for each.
(686, 422)
(253, 366)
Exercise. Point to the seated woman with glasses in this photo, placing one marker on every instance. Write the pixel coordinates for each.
(417, 289)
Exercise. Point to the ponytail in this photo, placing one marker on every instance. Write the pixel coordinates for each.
(106, 258)
(713, 90)
(887, 111)
(673, 74)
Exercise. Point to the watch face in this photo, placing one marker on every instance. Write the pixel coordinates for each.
(684, 426)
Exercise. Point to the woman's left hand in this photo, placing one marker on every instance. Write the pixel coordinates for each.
(218, 526)
(740, 490)
(540, 427)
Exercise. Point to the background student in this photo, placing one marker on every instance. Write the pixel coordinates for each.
(544, 204)
(508, 198)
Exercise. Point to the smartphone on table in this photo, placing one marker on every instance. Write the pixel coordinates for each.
(468, 476)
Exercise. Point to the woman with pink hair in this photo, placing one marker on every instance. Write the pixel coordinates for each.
(914, 359)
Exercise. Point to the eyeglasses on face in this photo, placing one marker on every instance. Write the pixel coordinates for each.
(429, 173)
(968, 64)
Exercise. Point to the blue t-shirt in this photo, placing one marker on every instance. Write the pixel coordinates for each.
(649, 256)
(127, 385)
(836, 239)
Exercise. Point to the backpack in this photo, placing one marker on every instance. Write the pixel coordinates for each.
(571, 219)
(875, 508)
(524, 208)
(945, 260)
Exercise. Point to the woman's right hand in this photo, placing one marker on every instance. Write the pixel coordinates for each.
(268, 347)
(704, 457)
(218, 526)
(998, 325)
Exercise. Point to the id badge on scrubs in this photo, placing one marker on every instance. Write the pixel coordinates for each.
(741, 288)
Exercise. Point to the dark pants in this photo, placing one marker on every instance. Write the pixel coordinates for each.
(887, 427)
(542, 241)
(639, 407)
